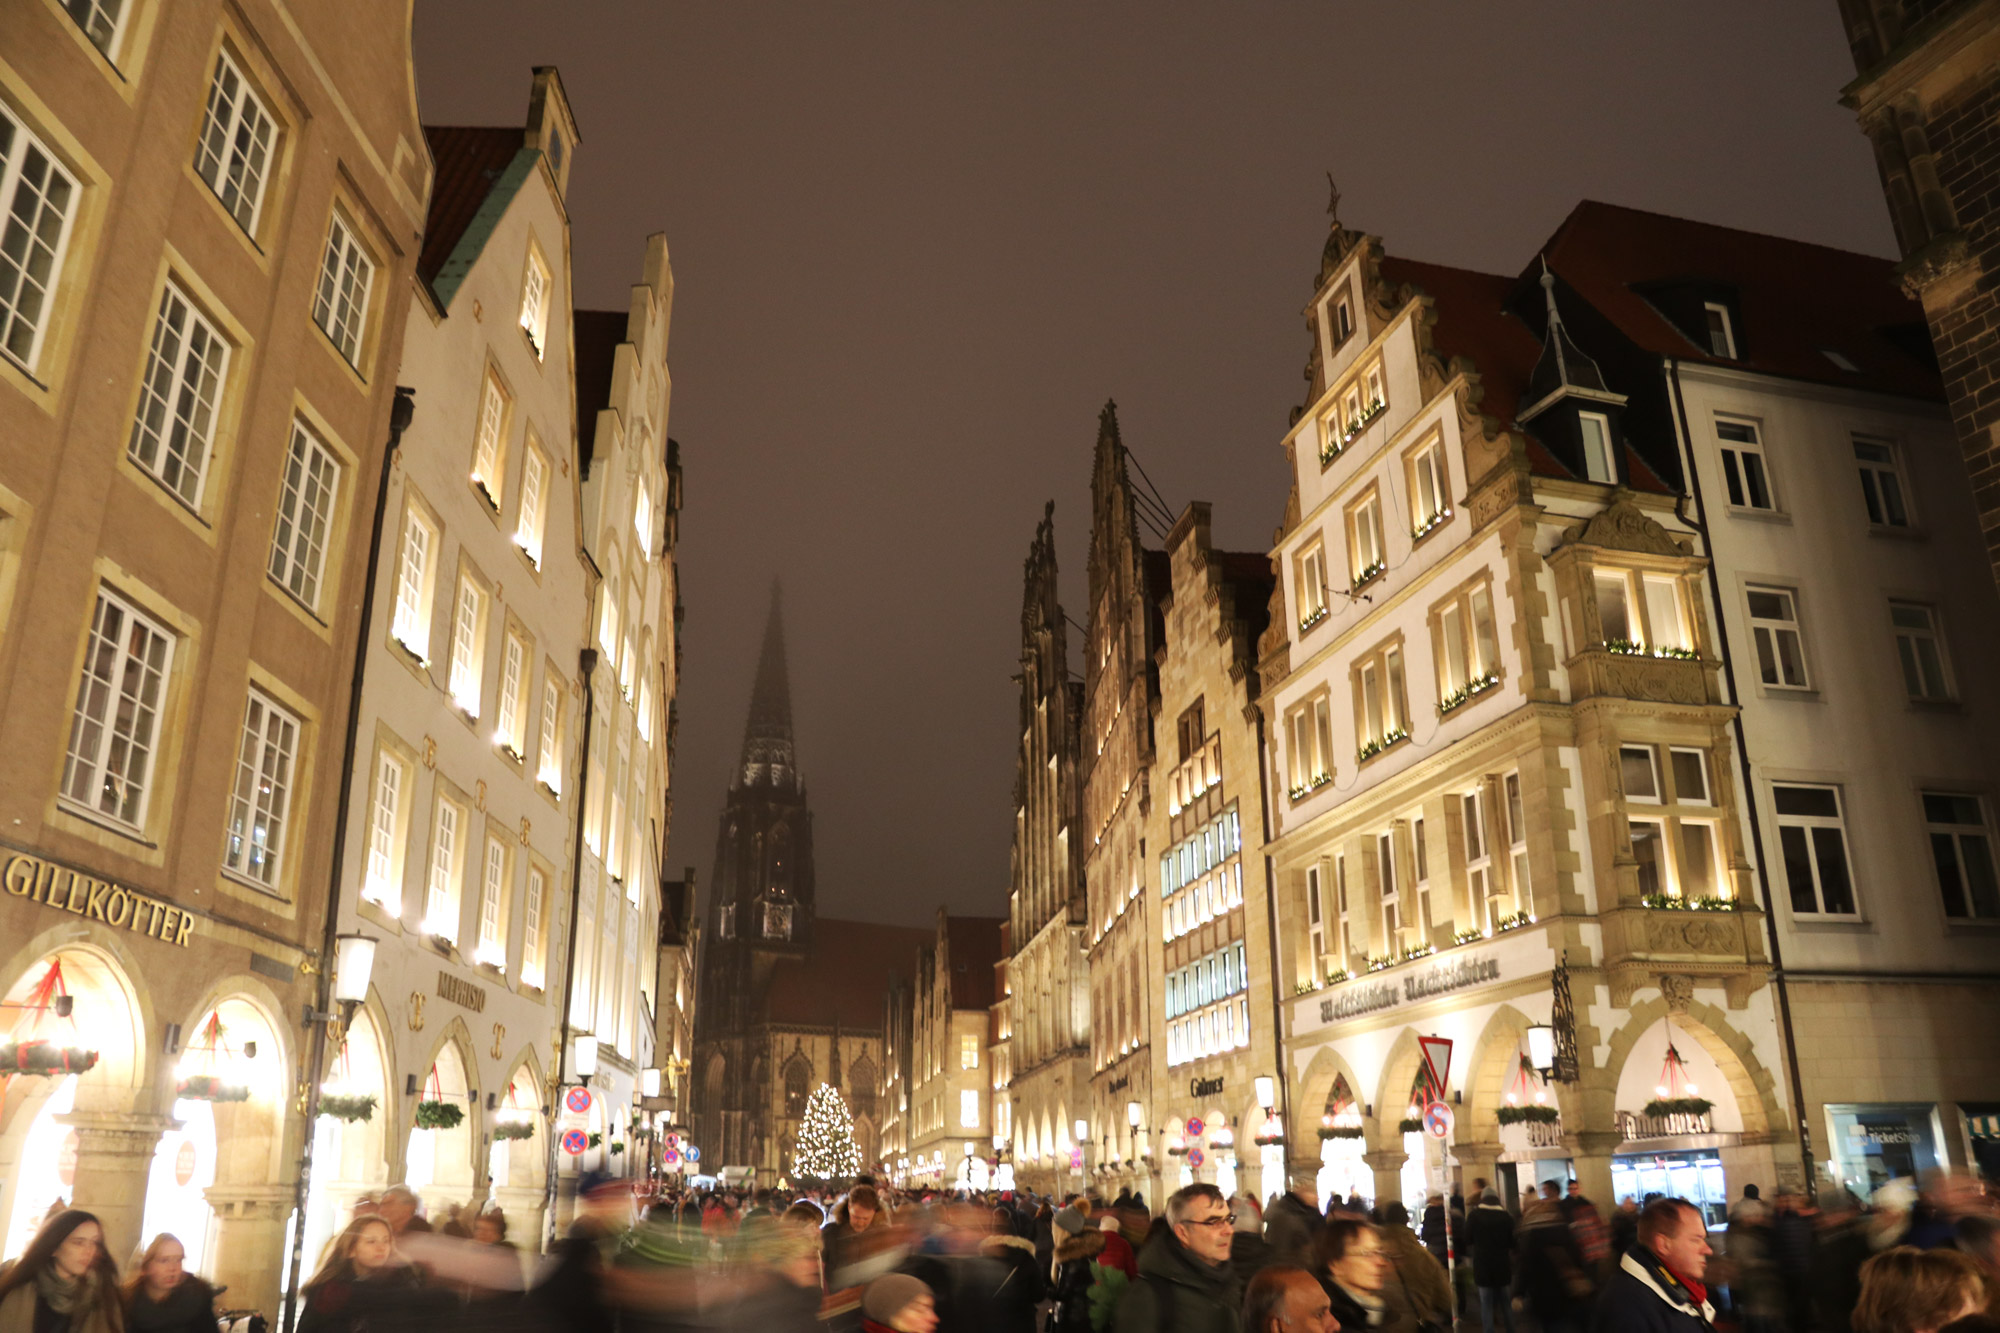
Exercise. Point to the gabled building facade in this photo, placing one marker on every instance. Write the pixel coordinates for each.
(951, 1099)
(1048, 982)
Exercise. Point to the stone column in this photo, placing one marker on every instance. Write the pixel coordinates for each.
(1475, 1160)
(1590, 1156)
(1387, 1164)
(524, 1206)
(114, 1155)
(249, 1252)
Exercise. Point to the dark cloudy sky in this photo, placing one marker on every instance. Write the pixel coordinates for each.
(916, 246)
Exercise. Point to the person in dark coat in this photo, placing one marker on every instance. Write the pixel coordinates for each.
(1658, 1286)
(362, 1285)
(1185, 1285)
(1432, 1233)
(161, 1296)
(1292, 1222)
(1554, 1277)
(1352, 1266)
(1249, 1252)
(1490, 1237)
(1023, 1287)
(1076, 1252)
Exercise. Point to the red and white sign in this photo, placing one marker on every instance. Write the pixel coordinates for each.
(578, 1100)
(1437, 1061)
(184, 1162)
(1437, 1120)
(574, 1142)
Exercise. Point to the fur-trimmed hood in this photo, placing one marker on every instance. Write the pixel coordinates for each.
(1083, 1245)
(1021, 1243)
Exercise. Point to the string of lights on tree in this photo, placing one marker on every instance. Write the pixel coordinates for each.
(826, 1150)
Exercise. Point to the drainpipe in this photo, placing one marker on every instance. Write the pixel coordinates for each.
(586, 666)
(401, 410)
(1749, 791)
(1271, 919)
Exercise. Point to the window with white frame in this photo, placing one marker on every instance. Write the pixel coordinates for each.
(1381, 708)
(607, 615)
(1365, 552)
(174, 428)
(511, 717)
(1430, 489)
(1594, 435)
(1420, 868)
(383, 882)
(100, 20)
(642, 517)
(534, 904)
(548, 765)
(534, 502)
(1310, 745)
(1812, 838)
(586, 944)
(447, 865)
(489, 446)
(305, 513)
(968, 1052)
(1371, 380)
(468, 646)
(254, 842)
(593, 807)
(1339, 320)
(1641, 613)
(1311, 589)
(237, 136)
(37, 207)
(115, 728)
(1774, 625)
(412, 624)
(1920, 649)
(1744, 470)
(535, 290)
(1882, 486)
(968, 1108)
(1962, 852)
(1315, 917)
(1478, 858)
(492, 949)
(1468, 658)
(1392, 907)
(1721, 330)
(1678, 846)
(340, 305)
(1343, 914)
(1517, 841)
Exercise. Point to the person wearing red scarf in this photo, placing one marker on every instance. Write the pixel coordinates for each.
(1658, 1287)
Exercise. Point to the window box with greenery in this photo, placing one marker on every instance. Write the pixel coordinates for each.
(1312, 785)
(1627, 648)
(1337, 1131)
(1430, 525)
(1514, 922)
(1388, 738)
(1369, 572)
(1362, 420)
(210, 1088)
(1337, 975)
(1312, 618)
(1468, 936)
(1467, 692)
(432, 1114)
(1410, 1124)
(1417, 951)
(1667, 902)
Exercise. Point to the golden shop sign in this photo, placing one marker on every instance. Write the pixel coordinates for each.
(94, 899)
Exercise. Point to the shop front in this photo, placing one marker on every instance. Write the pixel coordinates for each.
(1875, 1143)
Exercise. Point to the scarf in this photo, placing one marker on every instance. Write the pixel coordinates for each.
(1371, 1305)
(70, 1297)
(1695, 1289)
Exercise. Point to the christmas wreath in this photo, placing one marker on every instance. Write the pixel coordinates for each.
(1341, 1132)
(40, 1057)
(349, 1107)
(1527, 1115)
(1410, 1124)
(508, 1130)
(209, 1088)
(439, 1115)
(1662, 1107)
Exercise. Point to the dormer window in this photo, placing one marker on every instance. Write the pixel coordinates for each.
(1339, 320)
(535, 297)
(557, 150)
(1594, 430)
(1721, 332)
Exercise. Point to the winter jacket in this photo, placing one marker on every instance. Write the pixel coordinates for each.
(1554, 1274)
(1178, 1293)
(1414, 1286)
(188, 1308)
(1021, 1289)
(1354, 1317)
(1249, 1253)
(1076, 1258)
(1119, 1254)
(1433, 1232)
(1491, 1233)
(23, 1309)
(1290, 1225)
(1835, 1273)
(392, 1298)
(841, 1245)
(1643, 1297)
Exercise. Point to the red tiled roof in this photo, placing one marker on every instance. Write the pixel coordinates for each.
(1473, 322)
(597, 335)
(1795, 298)
(468, 159)
(846, 980)
(976, 946)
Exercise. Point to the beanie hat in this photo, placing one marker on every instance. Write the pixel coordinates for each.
(891, 1294)
(1070, 1220)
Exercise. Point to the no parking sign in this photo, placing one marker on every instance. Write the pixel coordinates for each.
(578, 1100)
(574, 1142)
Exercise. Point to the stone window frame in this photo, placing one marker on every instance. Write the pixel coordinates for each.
(1388, 662)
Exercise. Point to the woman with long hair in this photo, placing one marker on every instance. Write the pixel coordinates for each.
(1906, 1290)
(65, 1282)
(360, 1277)
(161, 1296)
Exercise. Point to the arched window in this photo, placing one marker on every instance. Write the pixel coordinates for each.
(861, 1091)
(798, 1080)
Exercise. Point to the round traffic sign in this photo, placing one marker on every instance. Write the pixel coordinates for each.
(670, 1158)
(1437, 1120)
(1195, 1157)
(578, 1100)
(694, 1153)
(1195, 1127)
(574, 1142)
(673, 1140)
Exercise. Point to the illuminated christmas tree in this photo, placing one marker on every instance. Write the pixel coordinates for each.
(826, 1151)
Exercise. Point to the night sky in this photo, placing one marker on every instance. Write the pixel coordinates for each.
(917, 245)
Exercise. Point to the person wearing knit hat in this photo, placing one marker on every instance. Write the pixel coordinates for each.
(898, 1303)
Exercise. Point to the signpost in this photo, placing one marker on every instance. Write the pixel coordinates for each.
(1438, 1121)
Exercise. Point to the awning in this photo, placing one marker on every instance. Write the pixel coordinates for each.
(1983, 1126)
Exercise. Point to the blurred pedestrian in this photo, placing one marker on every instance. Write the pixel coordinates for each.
(1979, 1240)
(898, 1303)
(1078, 1247)
(1906, 1290)
(161, 1296)
(1352, 1266)
(1415, 1284)
(1490, 1237)
(64, 1282)
(1023, 1288)
(1659, 1286)
(1184, 1283)
(361, 1284)
(1293, 1220)
(1249, 1251)
(1554, 1279)
(1284, 1299)
(843, 1237)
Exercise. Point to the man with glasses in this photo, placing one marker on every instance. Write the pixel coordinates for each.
(1185, 1283)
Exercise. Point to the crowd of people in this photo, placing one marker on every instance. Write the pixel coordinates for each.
(868, 1259)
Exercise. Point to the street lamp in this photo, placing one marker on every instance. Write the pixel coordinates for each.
(585, 1051)
(649, 1083)
(353, 964)
(1542, 1049)
(1267, 1091)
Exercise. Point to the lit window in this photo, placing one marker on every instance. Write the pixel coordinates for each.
(532, 908)
(1364, 538)
(489, 450)
(512, 718)
(1881, 483)
(1392, 908)
(383, 884)
(492, 892)
(642, 519)
(1666, 627)
(109, 767)
(234, 154)
(39, 199)
(535, 301)
(645, 708)
(1721, 332)
(1469, 660)
(1315, 924)
(305, 511)
(1381, 711)
(1310, 746)
(1478, 859)
(341, 303)
(1340, 318)
(968, 1052)
(548, 768)
(1648, 849)
(1594, 432)
(1962, 851)
(468, 646)
(441, 890)
(1421, 866)
(607, 616)
(412, 626)
(1430, 492)
(534, 485)
(1920, 648)
(1311, 586)
(254, 844)
(175, 424)
(1517, 839)
(1744, 470)
(100, 21)
(1614, 613)
(1813, 839)
(1774, 622)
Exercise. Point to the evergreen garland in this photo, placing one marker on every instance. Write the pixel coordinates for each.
(346, 1106)
(1662, 1107)
(439, 1115)
(1527, 1115)
(44, 1058)
(826, 1151)
(508, 1130)
(209, 1088)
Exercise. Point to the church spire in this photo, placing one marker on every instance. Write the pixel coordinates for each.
(769, 754)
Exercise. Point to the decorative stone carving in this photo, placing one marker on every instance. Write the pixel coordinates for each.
(416, 1016)
(1682, 932)
(1659, 679)
(1621, 527)
(1678, 991)
(1495, 499)
(499, 1050)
